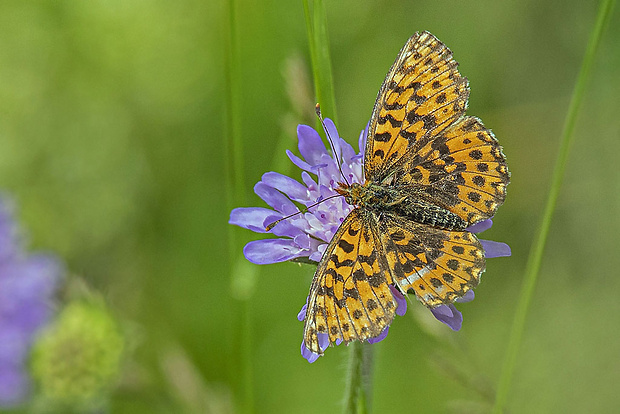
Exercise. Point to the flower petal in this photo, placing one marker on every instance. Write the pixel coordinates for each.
(311, 146)
(449, 315)
(312, 185)
(285, 228)
(467, 297)
(480, 226)
(316, 256)
(323, 341)
(329, 173)
(379, 337)
(14, 388)
(252, 218)
(298, 161)
(302, 313)
(495, 249)
(9, 240)
(361, 142)
(347, 151)
(272, 251)
(323, 344)
(25, 287)
(303, 240)
(14, 344)
(334, 138)
(401, 302)
(275, 199)
(308, 354)
(292, 188)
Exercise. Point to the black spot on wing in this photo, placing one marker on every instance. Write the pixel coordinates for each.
(475, 154)
(346, 246)
(383, 136)
(337, 263)
(393, 121)
(352, 231)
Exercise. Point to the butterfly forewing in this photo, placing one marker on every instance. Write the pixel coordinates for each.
(350, 298)
(422, 94)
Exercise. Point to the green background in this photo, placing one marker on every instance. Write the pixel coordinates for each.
(112, 141)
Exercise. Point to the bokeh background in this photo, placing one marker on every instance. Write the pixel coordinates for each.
(112, 136)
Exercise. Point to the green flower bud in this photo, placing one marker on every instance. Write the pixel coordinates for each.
(76, 362)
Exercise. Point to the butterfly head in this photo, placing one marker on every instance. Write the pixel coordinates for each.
(355, 194)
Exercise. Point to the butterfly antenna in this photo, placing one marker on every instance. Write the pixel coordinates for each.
(317, 109)
(272, 225)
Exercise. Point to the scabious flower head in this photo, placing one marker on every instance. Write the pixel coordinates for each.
(76, 360)
(27, 285)
(306, 235)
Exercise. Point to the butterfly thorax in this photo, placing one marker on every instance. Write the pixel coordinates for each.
(382, 199)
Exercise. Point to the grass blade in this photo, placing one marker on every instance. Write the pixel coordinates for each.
(538, 247)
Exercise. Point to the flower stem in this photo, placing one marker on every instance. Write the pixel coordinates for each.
(316, 28)
(358, 388)
(537, 249)
(233, 145)
(241, 278)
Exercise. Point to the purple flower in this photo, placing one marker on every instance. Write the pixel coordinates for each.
(307, 234)
(27, 283)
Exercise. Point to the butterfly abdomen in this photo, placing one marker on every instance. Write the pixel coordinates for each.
(426, 213)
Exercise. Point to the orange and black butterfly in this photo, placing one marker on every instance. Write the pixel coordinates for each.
(430, 173)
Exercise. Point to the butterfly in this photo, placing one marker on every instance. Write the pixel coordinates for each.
(430, 172)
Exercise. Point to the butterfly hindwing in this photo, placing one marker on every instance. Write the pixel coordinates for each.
(438, 265)
(350, 298)
(421, 95)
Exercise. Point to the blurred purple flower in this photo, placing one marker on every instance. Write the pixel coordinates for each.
(27, 284)
(306, 235)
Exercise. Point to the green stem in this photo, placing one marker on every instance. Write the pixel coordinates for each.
(538, 247)
(358, 387)
(234, 144)
(240, 340)
(318, 43)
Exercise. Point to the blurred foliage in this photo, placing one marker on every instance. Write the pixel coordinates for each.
(112, 122)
